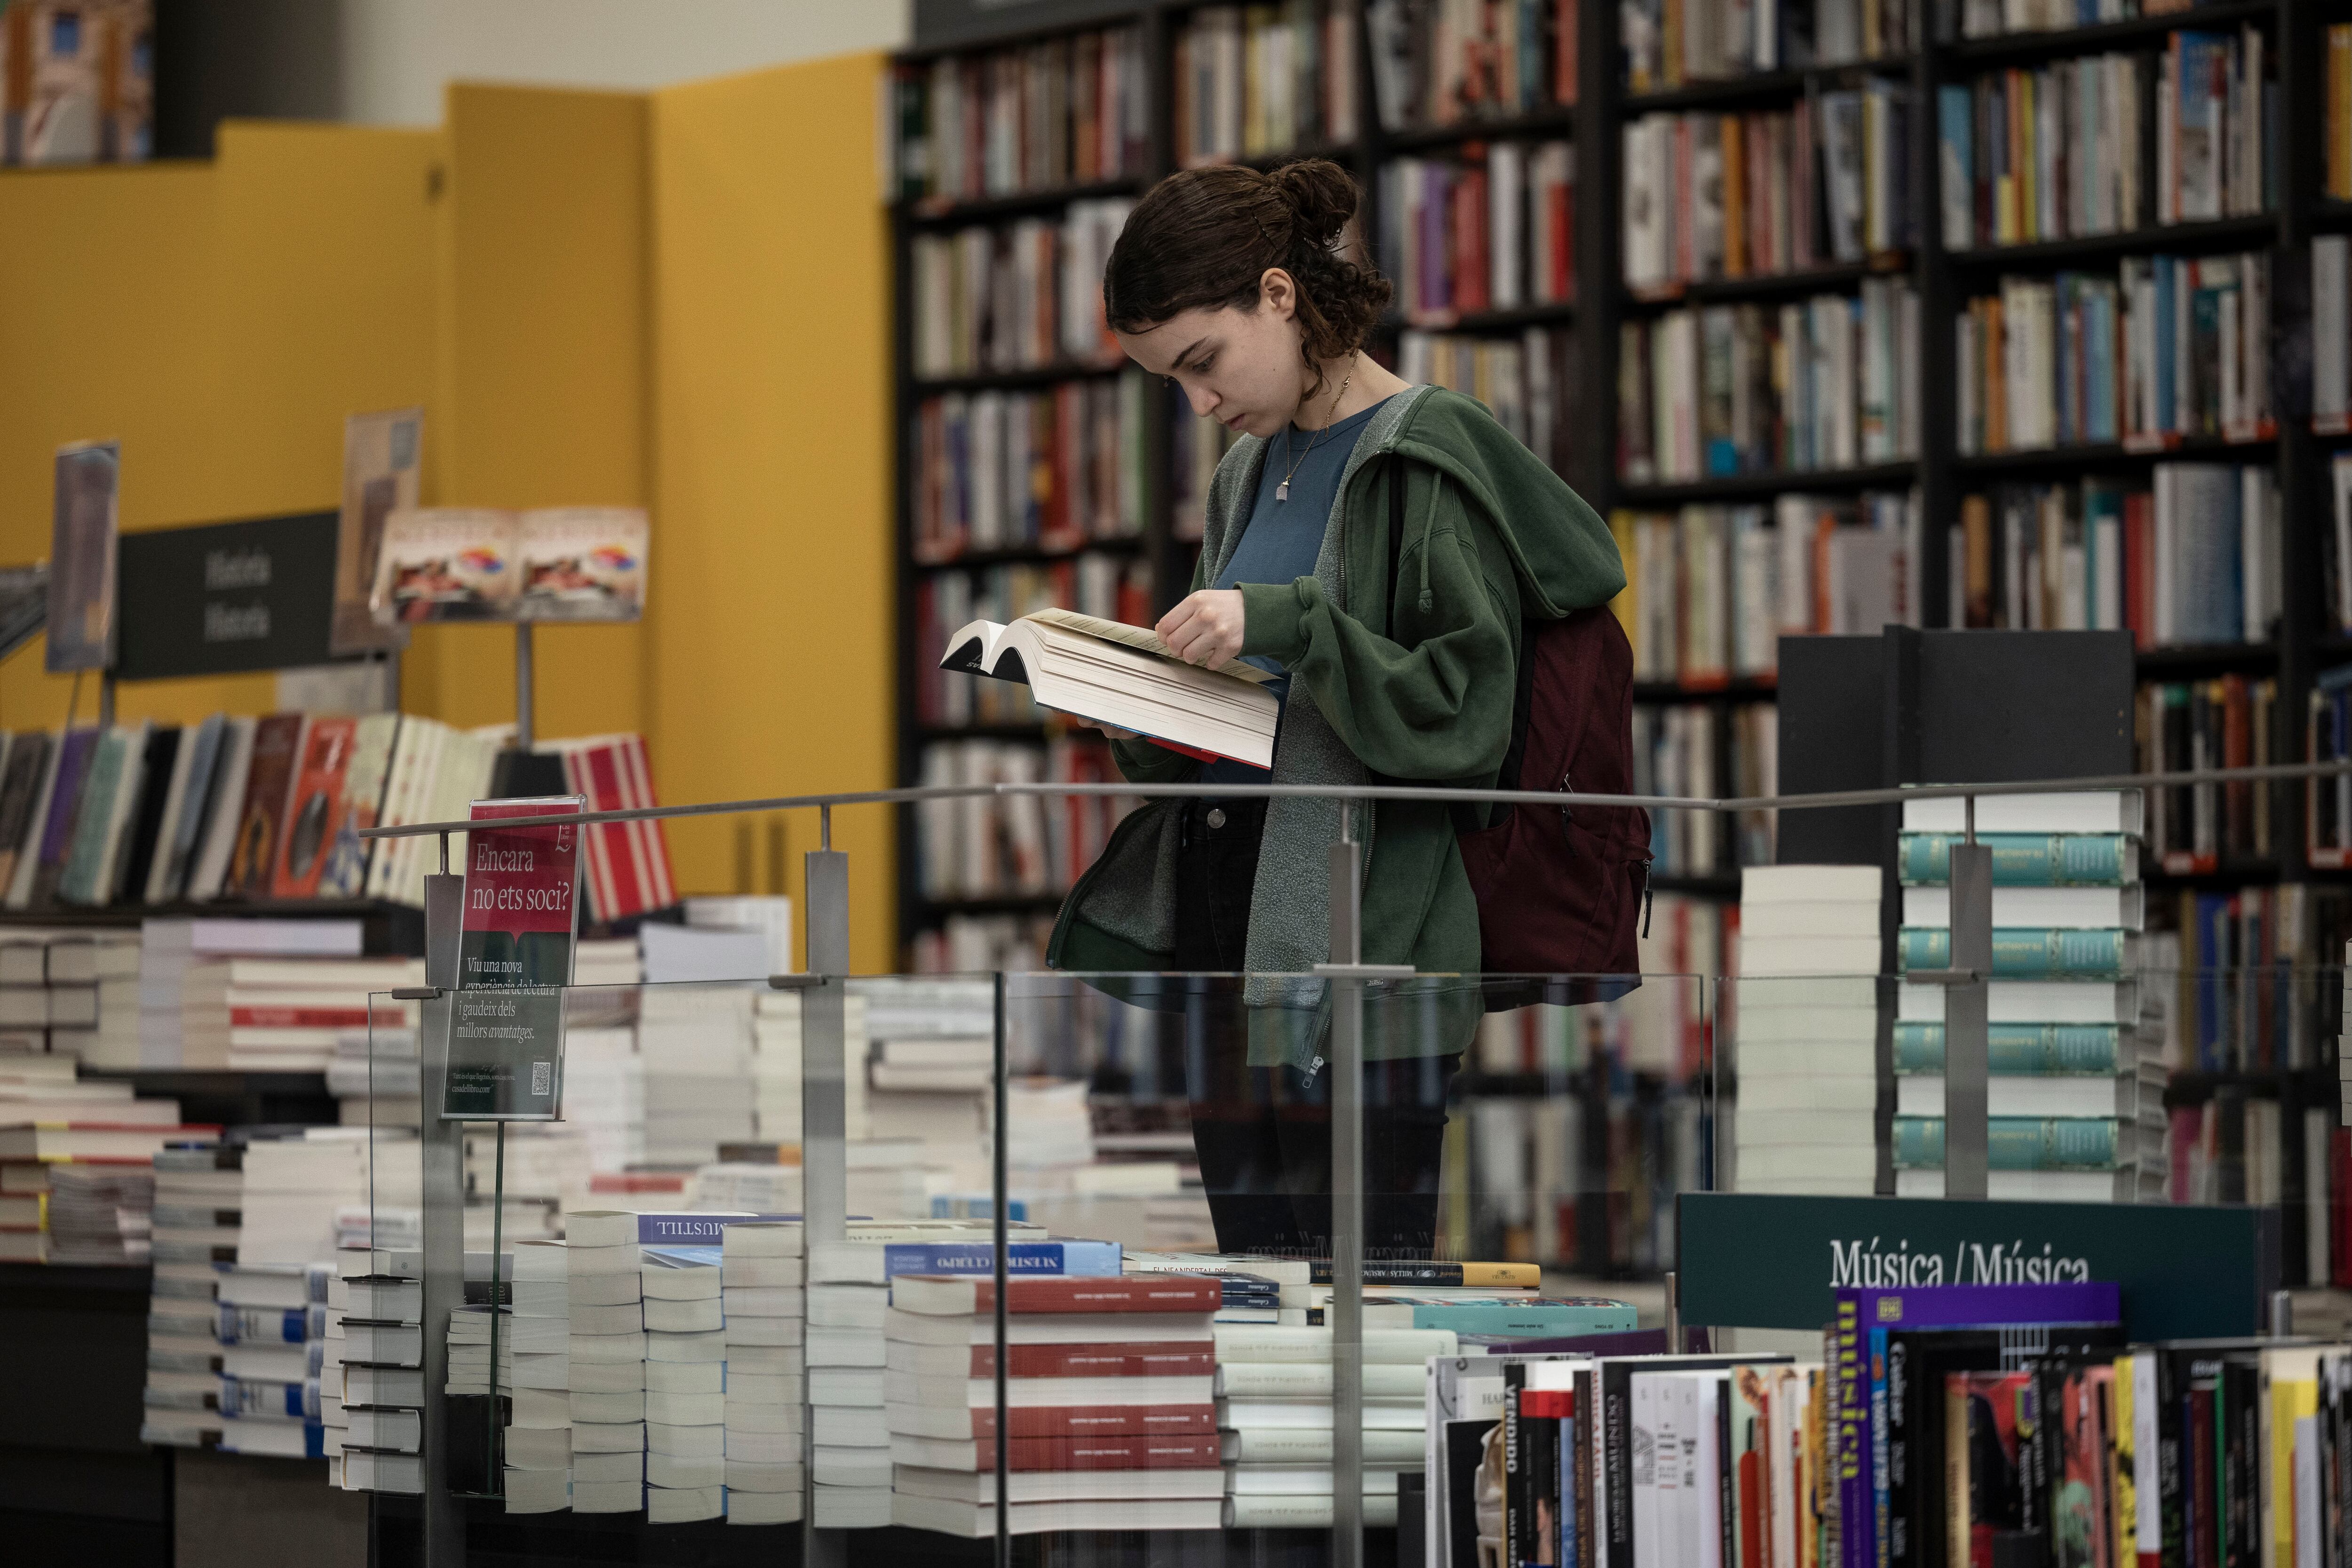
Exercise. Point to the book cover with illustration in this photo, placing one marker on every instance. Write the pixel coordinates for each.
(583, 563)
(445, 564)
(314, 809)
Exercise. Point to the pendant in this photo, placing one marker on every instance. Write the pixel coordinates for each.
(1282, 491)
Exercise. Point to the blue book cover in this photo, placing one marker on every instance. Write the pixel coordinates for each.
(252, 1397)
(1579, 1316)
(2025, 952)
(679, 1229)
(271, 1325)
(1059, 1255)
(1956, 130)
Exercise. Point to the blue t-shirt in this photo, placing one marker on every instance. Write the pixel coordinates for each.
(1282, 538)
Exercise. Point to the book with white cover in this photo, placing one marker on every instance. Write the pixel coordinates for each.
(2075, 909)
(1112, 673)
(2071, 811)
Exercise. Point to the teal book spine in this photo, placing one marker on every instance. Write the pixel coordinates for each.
(2024, 953)
(77, 884)
(2016, 1050)
(2014, 1143)
(2025, 859)
(1524, 1318)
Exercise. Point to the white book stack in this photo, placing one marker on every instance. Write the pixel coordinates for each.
(473, 1361)
(686, 1379)
(744, 1188)
(185, 983)
(1806, 1007)
(89, 992)
(195, 1225)
(547, 1172)
(2059, 1048)
(294, 1187)
(1273, 1419)
(776, 1064)
(604, 1095)
(696, 1044)
(605, 1360)
(849, 1444)
(763, 1273)
(272, 1333)
(537, 1460)
(609, 960)
(374, 1077)
(372, 1397)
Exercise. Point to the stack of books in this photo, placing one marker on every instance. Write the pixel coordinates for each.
(271, 1334)
(2069, 1119)
(605, 1360)
(776, 1067)
(1806, 1006)
(372, 1396)
(695, 1042)
(74, 994)
(1107, 1398)
(604, 1095)
(374, 1073)
(40, 1159)
(99, 1212)
(294, 1187)
(537, 1460)
(686, 1374)
(195, 1225)
(849, 1446)
(762, 1271)
(1273, 1419)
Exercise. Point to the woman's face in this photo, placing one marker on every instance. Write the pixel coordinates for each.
(1239, 368)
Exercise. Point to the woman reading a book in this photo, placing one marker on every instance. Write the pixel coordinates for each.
(1397, 651)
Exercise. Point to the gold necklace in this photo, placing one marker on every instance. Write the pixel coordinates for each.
(1282, 491)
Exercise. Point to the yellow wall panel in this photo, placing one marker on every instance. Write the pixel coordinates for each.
(770, 661)
(541, 398)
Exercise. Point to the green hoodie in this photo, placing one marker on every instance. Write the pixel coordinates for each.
(1407, 682)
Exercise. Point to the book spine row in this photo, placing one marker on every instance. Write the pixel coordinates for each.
(1252, 81)
(1017, 296)
(2015, 1143)
(1457, 60)
(1494, 230)
(2193, 561)
(2025, 859)
(1069, 111)
(984, 846)
(1726, 390)
(1701, 748)
(2109, 143)
(1049, 470)
(2228, 722)
(1672, 43)
(2169, 347)
(1710, 590)
(1529, 381)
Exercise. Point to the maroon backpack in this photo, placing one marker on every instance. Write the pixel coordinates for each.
(1561, 889)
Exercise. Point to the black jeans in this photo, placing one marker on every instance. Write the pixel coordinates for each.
(1263, 1134)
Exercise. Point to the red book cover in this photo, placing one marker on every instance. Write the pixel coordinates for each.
(1098, 1420)
(261, 817)
(356, 1017)
(1194, 1451)
(1563, 33)
(314, 808)
(2139, 611)
(1157, 1358)
(948, 1295)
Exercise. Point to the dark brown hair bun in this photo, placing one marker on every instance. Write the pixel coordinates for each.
(1204, 237)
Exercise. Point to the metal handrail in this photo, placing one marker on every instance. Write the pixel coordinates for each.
(1830, 798)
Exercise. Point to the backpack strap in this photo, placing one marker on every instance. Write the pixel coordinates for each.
(1523, 698)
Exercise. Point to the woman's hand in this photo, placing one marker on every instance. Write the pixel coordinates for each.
(1205, 628)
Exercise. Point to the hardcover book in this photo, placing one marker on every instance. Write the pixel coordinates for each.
(269, 778)
(315, 806)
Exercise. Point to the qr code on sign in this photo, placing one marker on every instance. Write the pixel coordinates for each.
(542, 1077)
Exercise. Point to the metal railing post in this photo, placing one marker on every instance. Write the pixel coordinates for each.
(442, 1157)
(824, 1177)
(1967, 1011)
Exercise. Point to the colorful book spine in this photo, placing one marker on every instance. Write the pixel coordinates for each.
(2025, 952)
(2014, 1143)
(1081, 1258)
(2019, 1050)
(2026, 859)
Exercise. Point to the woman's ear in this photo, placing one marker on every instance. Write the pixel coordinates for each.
(1278, 293)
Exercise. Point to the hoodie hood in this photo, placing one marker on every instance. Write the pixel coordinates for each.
(1565, 557)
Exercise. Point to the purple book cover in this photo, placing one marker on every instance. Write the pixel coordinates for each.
(1871, 1311)
(73, 763)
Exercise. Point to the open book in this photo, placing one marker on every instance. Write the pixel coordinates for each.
(1117, 674)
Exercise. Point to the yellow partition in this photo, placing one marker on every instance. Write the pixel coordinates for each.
(540, 395)
(770, 657)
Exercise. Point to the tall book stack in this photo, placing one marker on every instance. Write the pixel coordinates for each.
(371, 1397)
(776, 1065)
(196, 1223)
(695, 1042)
(1273, 1414)
(2065, 1101)
(686, 1374)
(1081, 1450)
(536, 1461)
(605, 1360)
(272, 1344)
(1806, 1006)
(604, 1093)
(73, 994)
(764, 1275)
